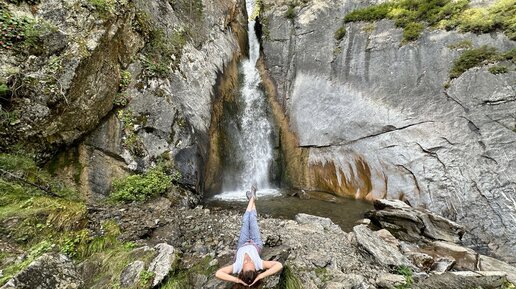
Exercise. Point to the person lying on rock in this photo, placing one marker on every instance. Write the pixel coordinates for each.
(247, 259)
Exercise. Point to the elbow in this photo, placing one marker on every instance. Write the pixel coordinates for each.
(218, 274)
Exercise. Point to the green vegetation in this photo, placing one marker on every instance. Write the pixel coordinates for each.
(407, 273)
(181, 278)
(125, 80)
(142, 187)
(109, 264)
(370, 13)
(498, 69)
(463, 44)
(414, 15)
(131, 141)
(30, 2)
(288, 280)
(340, 33)
(476, 57)
(121, 99)
(105, 8)
(33, 253)
(412, 31)
(291, 12)
(4, 91)
(146, 277)
(12, 28)
(322, 274)
(163, 51)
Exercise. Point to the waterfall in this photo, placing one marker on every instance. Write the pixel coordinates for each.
(250, 134)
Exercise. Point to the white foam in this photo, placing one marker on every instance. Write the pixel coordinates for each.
(239, 196)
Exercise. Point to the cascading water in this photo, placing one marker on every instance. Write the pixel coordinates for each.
(251, 152)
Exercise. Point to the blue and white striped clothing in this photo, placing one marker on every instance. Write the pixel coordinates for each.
(251, 250)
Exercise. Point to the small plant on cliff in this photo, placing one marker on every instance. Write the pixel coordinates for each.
(498, 69)
(105, 8)
(141, 187)
(291, 11)
(412, 31)
(340, 33)
(146, 277)
(12, 29)
(471, 58)
(407, 273)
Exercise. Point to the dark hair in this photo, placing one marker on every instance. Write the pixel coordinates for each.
(248, 277)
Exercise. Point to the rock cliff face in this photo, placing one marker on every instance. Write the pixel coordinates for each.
(377, 121)
(126, 83)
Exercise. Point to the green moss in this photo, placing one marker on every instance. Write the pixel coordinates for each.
(141, 187)
(463, 44)
(370, 13)
(340, 33)
(498, 69)
(291, 12)
(105, 8)
(472, 58)
(412, 30)
(446, 14)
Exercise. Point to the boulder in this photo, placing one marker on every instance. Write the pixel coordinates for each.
(412, 224)
(443, 264)
(492, 264)
(323, 223)
(466, 259)
(390, 281)
(388, 237)
(382, 251)
(130, 275)
(50, 270)
(421, 260)
(162, 263)
(464, 279)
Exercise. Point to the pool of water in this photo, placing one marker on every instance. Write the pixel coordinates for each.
(281, 204)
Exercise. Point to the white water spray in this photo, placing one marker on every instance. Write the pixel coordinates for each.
(253, 140)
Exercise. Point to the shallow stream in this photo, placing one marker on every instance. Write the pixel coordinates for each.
(280, 204)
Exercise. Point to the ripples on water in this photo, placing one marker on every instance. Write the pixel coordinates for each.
(279, 204)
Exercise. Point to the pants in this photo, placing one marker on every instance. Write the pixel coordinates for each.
(250, 230)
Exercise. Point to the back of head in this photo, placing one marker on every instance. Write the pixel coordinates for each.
(248, 277)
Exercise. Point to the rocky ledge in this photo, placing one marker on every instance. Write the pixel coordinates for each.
(398, 247)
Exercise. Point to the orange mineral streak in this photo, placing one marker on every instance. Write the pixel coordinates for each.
(326, 177)
(226, 91)
(294, 157)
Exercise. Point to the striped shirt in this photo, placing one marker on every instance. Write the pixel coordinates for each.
(249, 249)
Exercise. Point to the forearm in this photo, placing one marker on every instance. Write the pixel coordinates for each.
(272, 270)
(227, 277)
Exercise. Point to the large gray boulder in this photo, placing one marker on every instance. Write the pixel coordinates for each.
(383, 252)
(50, 271)
(162, 263)
(412, 224)
(375, 120)
(464, 279)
